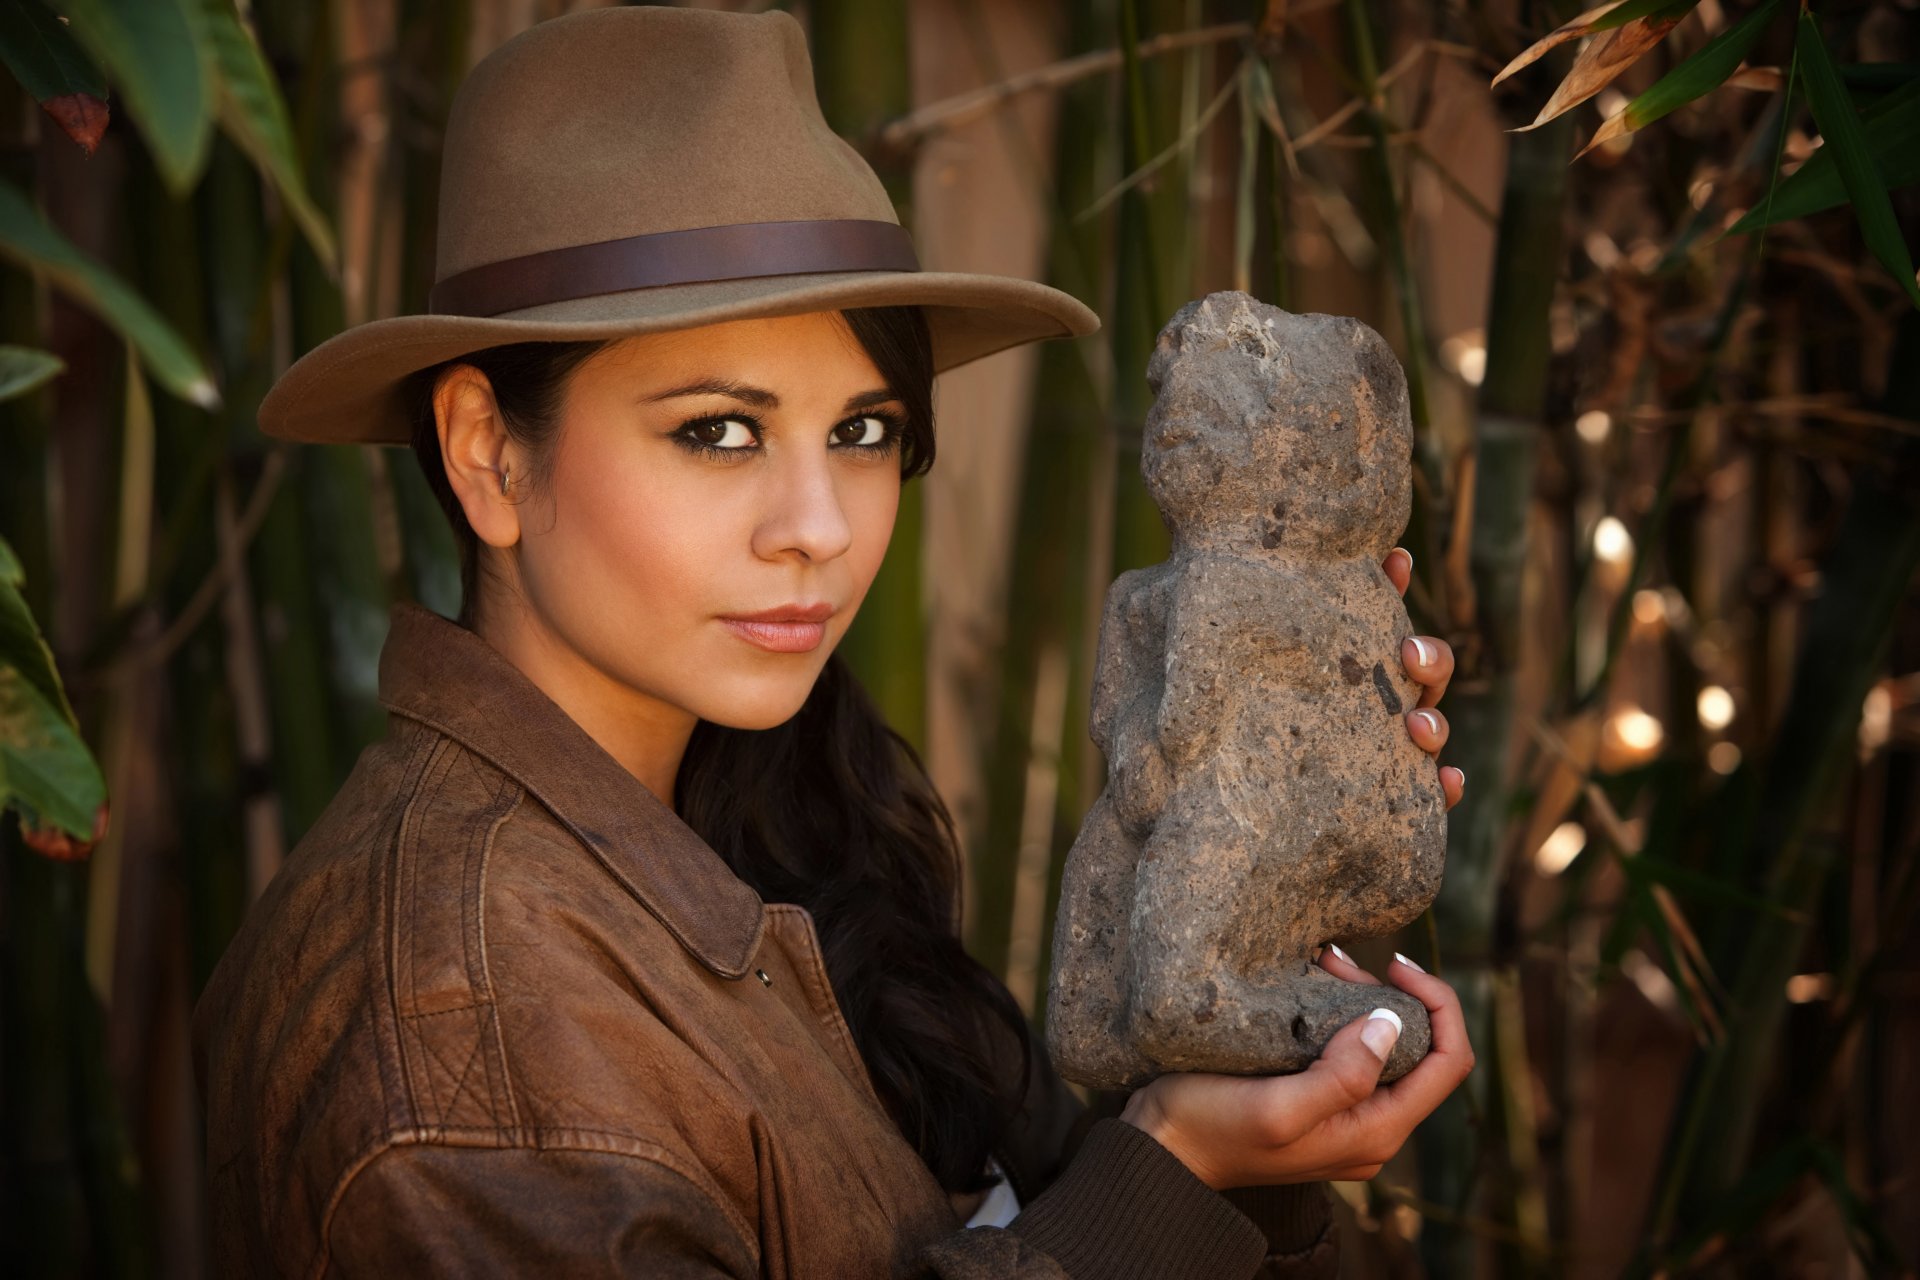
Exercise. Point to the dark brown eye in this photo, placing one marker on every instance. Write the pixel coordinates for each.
(867, 430)
(723, 433)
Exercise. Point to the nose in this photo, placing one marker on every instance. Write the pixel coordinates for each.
(804, 514)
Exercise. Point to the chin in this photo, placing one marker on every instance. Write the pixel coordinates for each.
(756, 703)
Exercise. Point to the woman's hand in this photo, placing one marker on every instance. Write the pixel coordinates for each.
(1429, 661)
(1333, 1120)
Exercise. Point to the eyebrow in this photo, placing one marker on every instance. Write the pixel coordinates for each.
(760, 397)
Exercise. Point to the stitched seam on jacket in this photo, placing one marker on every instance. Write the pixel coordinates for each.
(543, 1139)
(479, 825)
(825, 1003)
(405, 837)
(715, 963)
(486, 965)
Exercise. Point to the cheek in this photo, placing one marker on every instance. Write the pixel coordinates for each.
(872, 504)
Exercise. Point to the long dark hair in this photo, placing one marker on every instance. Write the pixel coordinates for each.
(832, 810)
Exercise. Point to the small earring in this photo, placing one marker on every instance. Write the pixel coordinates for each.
(506, 480)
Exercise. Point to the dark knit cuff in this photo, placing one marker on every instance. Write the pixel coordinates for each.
(1294, 1216)
(1127, 1209)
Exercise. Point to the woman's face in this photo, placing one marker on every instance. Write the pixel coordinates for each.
(714, 507)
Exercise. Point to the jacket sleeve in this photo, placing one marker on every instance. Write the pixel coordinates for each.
(1103, 1199)
(432, 1210)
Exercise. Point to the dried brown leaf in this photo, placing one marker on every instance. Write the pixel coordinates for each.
(1573, 30)
(1600, 64)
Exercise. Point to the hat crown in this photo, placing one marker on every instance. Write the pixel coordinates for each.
(620, 122)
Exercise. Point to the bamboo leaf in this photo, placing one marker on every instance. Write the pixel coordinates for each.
(1600, 63)
(52, 67)
(1892, 130)
(27, 239)
(1645, 8)
(1845, 136)
(1604, 17)
(21, 645)
(46, 771)
(1705, 70)
(253, 113)
(153, 50)
(24, 368)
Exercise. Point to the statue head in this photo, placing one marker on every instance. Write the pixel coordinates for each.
(1279, 433)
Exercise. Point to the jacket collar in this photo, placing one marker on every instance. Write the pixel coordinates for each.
(447, 678)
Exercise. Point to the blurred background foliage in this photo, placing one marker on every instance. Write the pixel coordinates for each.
(1666, 401)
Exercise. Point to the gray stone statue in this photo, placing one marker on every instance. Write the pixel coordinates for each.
(1262, 793)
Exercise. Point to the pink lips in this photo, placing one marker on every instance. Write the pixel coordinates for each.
(790, 628)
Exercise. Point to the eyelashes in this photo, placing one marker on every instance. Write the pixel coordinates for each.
(688, 434)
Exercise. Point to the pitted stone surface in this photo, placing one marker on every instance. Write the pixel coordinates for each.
(1262, 793)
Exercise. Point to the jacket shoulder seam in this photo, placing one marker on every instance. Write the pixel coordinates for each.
(610, 1142)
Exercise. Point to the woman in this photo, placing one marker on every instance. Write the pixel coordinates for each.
(630, 950)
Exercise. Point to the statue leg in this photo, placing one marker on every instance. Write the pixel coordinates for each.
(1221, 977)
(1085, 997)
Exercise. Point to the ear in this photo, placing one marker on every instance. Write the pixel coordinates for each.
(478, 454)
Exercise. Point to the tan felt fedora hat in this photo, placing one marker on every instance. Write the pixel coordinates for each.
(629, 170)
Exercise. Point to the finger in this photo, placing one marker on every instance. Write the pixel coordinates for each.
(1399, 568)
(1344, 1075)
(1453, 783)
(1341, 965)
(1429, 663)
(1428, 729)
(1449, 1060)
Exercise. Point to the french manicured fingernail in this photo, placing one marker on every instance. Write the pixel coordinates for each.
(1429, 719)
(1408, 556)
(1410, 964)
(1335, 948)
(1382, 1029)
(1425, 651)
(1461, 774)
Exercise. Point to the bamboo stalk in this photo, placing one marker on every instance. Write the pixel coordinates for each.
(1481, 704)
(861, 65)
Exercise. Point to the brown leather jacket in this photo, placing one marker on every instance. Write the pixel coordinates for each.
(504, 1013)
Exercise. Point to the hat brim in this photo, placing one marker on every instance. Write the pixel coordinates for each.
(350, 388)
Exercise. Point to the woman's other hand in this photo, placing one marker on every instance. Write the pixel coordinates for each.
(1429, 662)
(1335, 1120)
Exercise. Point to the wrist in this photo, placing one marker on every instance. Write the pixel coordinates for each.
(1143, 1112)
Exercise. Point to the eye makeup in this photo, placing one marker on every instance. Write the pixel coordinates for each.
(688, 434)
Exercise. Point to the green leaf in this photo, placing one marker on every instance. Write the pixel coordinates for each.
(1633, 9)
(29, 241)
(22, 648)
(1892, 129)
(24, 368)
(46, 771)
(1845, 136)
(1705, 70)
(44, 765)
(152, 50)
(43, 55)
(254, 115)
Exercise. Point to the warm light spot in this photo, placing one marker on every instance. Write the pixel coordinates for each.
(1699, 193)
(1652, 981)
(1723, 758)
(1876, 719)
(1593, 426)
(1649, 607)
(1636, 730)
(1610, 102)
(1601, 248)
(1804, 988)
(1466, 354)
(1715, 706)
(1557, 852)
(1611, 541)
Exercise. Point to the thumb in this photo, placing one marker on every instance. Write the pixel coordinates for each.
(1348, 1069)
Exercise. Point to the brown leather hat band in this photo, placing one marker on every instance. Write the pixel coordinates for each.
(675, 257)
